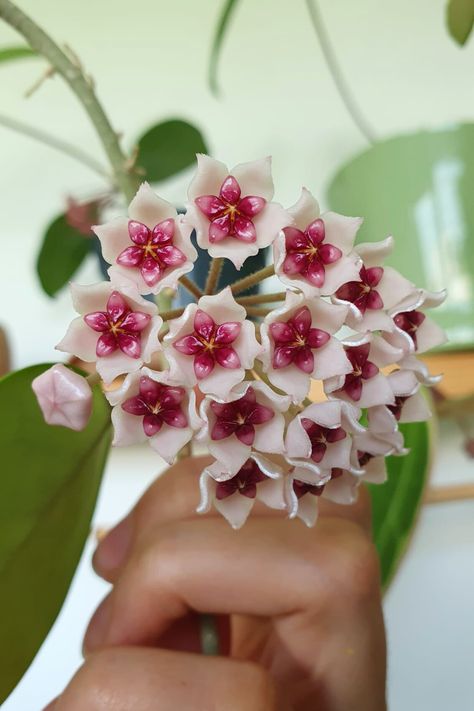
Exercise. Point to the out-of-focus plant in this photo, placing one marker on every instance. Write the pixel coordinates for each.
(460, 19)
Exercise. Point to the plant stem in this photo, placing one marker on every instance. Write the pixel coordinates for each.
(261, 298)
(251, 279)
(73, 74)
(255, 311)
(172, 313)
(333, 65)
(213, 275)
(191, 287)
(57, 143)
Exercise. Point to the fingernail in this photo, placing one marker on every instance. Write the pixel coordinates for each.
(112, 550)
(98, 627)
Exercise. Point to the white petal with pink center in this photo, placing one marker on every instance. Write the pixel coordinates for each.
(391, 288)
(81, 340)
(304, 507)
(337, 417)
(129, 428)
(329, 360)
(222, 308)
(230, 451)
(421, 370)
(421, 334)
(65, 397)
(147, 210)
(410, 405)
(339, 235)
(237, 506)
(253, 179)
(375, 389)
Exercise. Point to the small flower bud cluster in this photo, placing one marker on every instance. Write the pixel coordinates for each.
(301, 403)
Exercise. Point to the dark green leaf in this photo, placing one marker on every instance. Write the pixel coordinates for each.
(395, 504)
(460, 18)
(169, 147)
(221, 29)
(62, 252)
(9, 54)
(48, 488)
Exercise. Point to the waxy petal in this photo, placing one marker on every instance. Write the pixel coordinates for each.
(329, 254)
(245, 229)
(136, 321)
(317, 338)
(203, 365)
(149, 390)
(163, 232)
(316, 232)
(106, 345)
(230, 190)
(227, 332)
(295, 263)
(151, 271)
(130, 257)
(98, 321)
(227, 357)
(210, 205)
(304, 360)
(316, 273)
(374, 300)
(369, 370)
(246, 434)
(260, 414)
(116, 306)
(130, 345)
(139, 233)
(251, 205)
(281, 332)
(301, 321)
(204, 324)
(353, 388)
(171, 256)
(151, 424)
(295, 239)
(372, 275)
(219, 228)
(189, 345)
(65, 397)
(135, 406)
(222, 430)
(283, 356)
(174, 417)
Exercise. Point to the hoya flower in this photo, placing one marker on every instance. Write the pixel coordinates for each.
(298, 344)
(303, 487)
(151, 248)
(234, 494)
(322, 433)
(375, 290)
(65, 398)
(148, 406)
(414, 331)
(212, 344)
(421, 370)
(250, 417)
(232, 211)
(116, 328)
(315, 254)
(410, 405)
(381, 438)
(365, 385)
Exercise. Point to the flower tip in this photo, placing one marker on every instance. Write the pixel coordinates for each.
(64, 397)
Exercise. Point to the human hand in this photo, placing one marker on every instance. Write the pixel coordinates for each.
(299, 610)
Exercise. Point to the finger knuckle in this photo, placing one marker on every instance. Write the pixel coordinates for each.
(92, 687)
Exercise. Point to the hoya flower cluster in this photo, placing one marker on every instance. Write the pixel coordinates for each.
(294, 402)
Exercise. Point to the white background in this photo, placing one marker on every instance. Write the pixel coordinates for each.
(149, 59)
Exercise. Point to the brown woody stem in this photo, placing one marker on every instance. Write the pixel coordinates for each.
(213, 275)
(191, 287)
(252, 279)
(262, 298)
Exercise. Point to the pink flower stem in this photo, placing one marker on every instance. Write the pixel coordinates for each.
(191, 287)
(252, 279)
(213, 276)
(261, 298)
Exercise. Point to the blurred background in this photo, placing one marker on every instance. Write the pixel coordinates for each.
(277, 96)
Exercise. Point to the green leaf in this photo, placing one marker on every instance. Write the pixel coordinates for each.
(460, 19)
(9, 54)
(48, 488)
(221, 30)
(169, 147)
(395, 504)
(62, 252)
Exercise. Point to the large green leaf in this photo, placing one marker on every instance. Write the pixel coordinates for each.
(9, 54)
(48, 487)
(395, 504)
(460, 19)
(221, 29)
(62, 252)
(169, 147)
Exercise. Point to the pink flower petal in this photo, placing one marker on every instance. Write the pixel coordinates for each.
(203, 365)
(295, 239)
(139, 233)
(246, 434)
(316, 231)
(301, 321)
(260, 414)
(219, 228)
(171, 256)
(149, 390)
(210, 205)
(106, 345)
(204, 325)
(373, 275)
(151, 271)
(163, 231)
(189, 345)
(304, 360)
(230, 190)
(116, 306)
(245, 229)
(130, 257)
(374, 300)
(151, 424)
(172, 396)
(329, 254)
(281, 332)
(65, 398)
(130, 345)
(295, 263)
(317, 338)
(316, 273)
(227, 332)
(97, 321)
(369, 370)
(136, 321)
(175, 417)
(251, 205)
(283, 356)
(353, 388)
(227, 357)
(223, 429)
(135, 406)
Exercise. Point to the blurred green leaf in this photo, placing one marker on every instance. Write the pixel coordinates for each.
(62, 252)
(395, 504)
(48, 489)
(9, 54)
(169, 147)
(221, 29)
(460, 19)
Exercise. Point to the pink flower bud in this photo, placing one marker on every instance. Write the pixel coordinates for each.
(65, 398)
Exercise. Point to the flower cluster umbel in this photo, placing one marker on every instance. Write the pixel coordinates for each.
(346, 327)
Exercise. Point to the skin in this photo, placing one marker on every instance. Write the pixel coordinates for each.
(298, 610)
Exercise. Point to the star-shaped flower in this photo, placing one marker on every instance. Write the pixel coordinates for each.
(414, 331)
(232, 211)
(65, 397)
